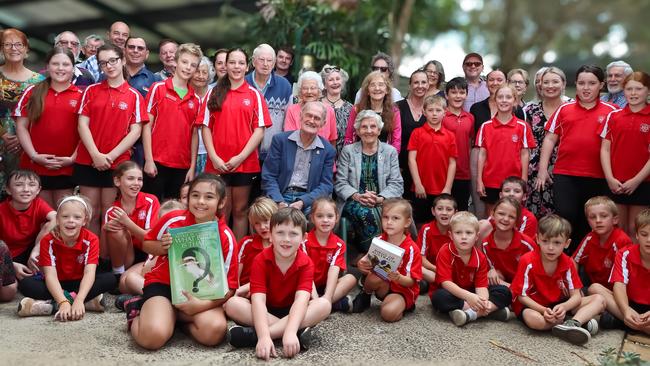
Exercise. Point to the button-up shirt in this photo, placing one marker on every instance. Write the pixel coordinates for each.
(300, 175)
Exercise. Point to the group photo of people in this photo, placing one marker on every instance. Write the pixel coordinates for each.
(505, 207)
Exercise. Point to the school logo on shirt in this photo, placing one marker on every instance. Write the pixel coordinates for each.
(329, 257)
(80, 258)
(515, 138)
(123, 106)
(601, 119)
(607, 263)
(563, 287)
(73, 103)
(246, 102)
(190, 105)
(142, 215)
(645, 128)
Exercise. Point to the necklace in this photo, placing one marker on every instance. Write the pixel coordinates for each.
(334, 102)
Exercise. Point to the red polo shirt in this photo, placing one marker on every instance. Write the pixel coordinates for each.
(144, 213)
(506, 260)
(629, 270)
(243, 110)
(180, 218)
(325, 256)
(69, 261)
(111, 111)
(598, 259)
(532, 281)
(528, 223)
(410, 266)
(280, 288)
(434, 148)
(629, 134)
(19, 229)
(503, 143)
(55, 132)
(431, 240)
(577, 128)
(172, 125)
(249, 248)
(450, 267)
(462, 126)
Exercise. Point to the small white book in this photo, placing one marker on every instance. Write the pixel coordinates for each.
(384, 257)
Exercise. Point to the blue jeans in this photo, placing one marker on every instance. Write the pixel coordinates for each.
(293, 196)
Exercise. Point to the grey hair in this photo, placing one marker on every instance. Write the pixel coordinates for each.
(368, 114)
(58, 38)
(389, 60)
(344, 74)
(322, 106)
(263, 47)
(93, 37)
(627, 69)
(211, 71)
(309, 75)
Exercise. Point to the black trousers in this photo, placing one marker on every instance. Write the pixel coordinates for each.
(35, 287)
(443, 301)
(461, 192)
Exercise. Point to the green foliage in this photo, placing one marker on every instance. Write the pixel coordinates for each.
(609, 357)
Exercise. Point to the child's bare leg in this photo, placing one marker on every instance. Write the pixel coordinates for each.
(240, 310)
(207, 327)
(375, 284)
(317, 310)
(155, 324)
(590, 306)
(392, 308)
(344, 285)
(8, 292)
(132, 281)
(428, 275)
(117, 247)
(535, 320)
(608, 295)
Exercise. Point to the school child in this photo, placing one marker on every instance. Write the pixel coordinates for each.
(259, 215)
(281, 285)
(624, 153)
(504, 144)
(110, 116)
(327, 252)
(170, 140)
(24, 219)
(546, 287)
(129, 218)
(517, 188)
(8, 287)
(399, 293)
(461, 277)
(46, 125)
(184, 192)
(630, 278)
(204, 320)
(68, 258)
(432, 158)
(461, 124)
(505, 245)
(433, 236)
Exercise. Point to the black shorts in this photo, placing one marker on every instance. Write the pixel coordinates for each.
(23, 257)
(521, 315)
(492, 195)
(156, 289)
(52, 182)
(639, 308)
(240, 179)
(640, 197)
(86, 175)
(278, 312)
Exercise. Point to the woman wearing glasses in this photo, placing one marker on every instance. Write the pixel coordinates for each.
(518, 78)
(14, 79)
(383, 63)
(436, 76)
(110, 117)
(335, 80)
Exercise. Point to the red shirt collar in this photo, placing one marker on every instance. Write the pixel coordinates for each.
(122, 88)
(78, 244)
(70, 88)
(169, 84)
(312, 241)
(511, 123)
(563, 264)
(473, 259)
(430, 129)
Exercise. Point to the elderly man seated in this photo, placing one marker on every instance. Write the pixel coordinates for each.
(299, 165)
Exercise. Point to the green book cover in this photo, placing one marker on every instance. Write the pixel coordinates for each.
(196, 263)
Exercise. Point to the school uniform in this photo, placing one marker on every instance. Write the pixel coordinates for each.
(630, 271)
(112, 111)
(324, 257)
(280, 288)
(430, 240)
(171, 136)
(469, 276)
(598, 259)
(527, 223)
(629, 134)
(462, 126)
(507, 259)
(19, 229)
(156, 282)
(503, 143)
(55, 132)
(411, 266)
(531, 280)
(249, 247)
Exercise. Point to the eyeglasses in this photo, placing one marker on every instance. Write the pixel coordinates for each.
(517, 82)
(67, 43)
(329, 69)
(19, 46)
(380, 68)
(111, 61)
(473, 64)
(134, 47)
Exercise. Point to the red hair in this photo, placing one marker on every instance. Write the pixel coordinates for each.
(14, 32)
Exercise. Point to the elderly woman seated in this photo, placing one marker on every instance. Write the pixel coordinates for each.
(368, 172)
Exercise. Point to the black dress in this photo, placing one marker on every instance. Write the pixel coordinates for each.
(408, 125)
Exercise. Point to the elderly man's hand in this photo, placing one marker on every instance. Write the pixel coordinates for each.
(298, 205)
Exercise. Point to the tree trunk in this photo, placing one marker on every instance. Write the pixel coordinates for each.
(399, 31)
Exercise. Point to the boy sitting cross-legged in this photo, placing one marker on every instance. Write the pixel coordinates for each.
(280, 287)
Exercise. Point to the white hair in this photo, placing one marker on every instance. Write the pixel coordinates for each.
(211, 71)
(263, 47)
(93, 37)
(368, 113)
(58, 38)
(627, 69)
(310, 75)
(322, 107)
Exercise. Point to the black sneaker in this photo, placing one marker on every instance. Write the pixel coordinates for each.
(609, 321)
(240, 337)
(424, 287)
(572, 332)
(121, 299)
(344, 305)
(502, 315)
(361, 302)
(305, 336)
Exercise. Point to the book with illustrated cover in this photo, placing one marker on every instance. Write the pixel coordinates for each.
(384, 257)
(196, 263)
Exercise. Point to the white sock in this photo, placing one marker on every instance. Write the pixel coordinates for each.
(471, 314)
(118, 270)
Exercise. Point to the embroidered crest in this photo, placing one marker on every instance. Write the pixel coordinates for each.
(80, 258)
(246, 102)
(329, 257)
(601, 119)
(73, 103)
(142, 215)
(190, 105)
(562, 286)
(645, 128)
(607, 263)
(515, 138)
(123, 106)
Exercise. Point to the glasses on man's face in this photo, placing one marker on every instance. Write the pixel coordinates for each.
(517, 82)
(68, 43)
(111, 61)
(380, 68)
(18, 45)
(473, 64)
(134, 47)
(331, 68)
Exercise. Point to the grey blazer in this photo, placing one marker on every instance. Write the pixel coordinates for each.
(348, 172)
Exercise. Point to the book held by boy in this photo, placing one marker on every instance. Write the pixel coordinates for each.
(196, 263)
(384, 257)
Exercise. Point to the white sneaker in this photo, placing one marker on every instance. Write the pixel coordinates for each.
(459, 317)
(592, 326)
(30, 307)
